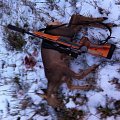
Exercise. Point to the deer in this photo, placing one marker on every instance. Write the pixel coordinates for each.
(57, 64)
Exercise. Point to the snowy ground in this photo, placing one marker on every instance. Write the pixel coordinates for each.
(20, 85)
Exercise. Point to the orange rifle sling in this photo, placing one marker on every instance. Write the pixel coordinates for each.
(58, 39)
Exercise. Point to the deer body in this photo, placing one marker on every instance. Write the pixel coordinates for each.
(56, 64)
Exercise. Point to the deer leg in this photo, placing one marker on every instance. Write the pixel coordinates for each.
(77, 19)
(84, 73)
(90, 19)
(97, 25)
(77, 87)
(77, 28)
(54, 82)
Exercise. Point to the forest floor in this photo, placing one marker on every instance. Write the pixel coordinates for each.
(20, 85)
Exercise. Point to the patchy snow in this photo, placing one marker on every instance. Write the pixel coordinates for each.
(70, 104)
(20, 87)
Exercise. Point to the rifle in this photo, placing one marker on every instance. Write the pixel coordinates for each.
(105, 50)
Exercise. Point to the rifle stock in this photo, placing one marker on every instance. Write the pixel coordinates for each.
(105, 50)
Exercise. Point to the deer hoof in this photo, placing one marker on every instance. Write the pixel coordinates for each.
(105, 18)
(54, 101)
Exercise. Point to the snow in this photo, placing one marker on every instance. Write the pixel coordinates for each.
(70, 104)
(37, 14)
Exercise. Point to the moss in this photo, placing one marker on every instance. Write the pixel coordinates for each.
(15, 41)
(105, 111)
(117, 105)
(70, 114)
(17, 81)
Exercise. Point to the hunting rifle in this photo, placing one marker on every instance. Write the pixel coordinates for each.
(104, 50)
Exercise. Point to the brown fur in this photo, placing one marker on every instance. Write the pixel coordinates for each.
(56, 64)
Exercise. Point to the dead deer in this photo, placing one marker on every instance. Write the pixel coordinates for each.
(56, 64)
